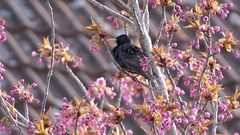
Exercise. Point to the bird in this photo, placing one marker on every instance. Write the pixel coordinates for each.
(128, 56)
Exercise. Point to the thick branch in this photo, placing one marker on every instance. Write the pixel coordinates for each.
(146, 45)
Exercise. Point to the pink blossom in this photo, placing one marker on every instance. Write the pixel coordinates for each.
(94, 48)
(3, 36)
(113, 21)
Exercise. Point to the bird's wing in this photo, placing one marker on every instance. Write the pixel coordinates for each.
(131, 56)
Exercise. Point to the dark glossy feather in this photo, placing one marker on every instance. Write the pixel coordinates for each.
(129, 56)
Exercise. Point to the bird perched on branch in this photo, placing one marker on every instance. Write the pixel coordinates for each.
(129, 56)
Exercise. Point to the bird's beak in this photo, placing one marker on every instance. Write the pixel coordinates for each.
(111, 39)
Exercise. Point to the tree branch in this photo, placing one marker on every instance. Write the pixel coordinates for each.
(123, 128)
(215, 117)
(157, 42)
(122, 5)
(50, 71)
(76, 125)
(8, 113)
(110, 11)
(17, 112)
(79, 82)
(146, 45)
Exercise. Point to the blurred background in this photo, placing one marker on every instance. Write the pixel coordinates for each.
(28, 21)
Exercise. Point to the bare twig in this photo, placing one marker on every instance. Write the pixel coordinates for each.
(215, 117)
(26, 110)
(170, 39)
(157, 42)
(110, 11)
(50, 71)
(123, 128)
(202, 111)
(125, 29)
(119, 98)
(17, 112)
(197, 98)
(8, 113)
(79, 82)
(155, 129)
(76, 124)
(178, 96)
(146, 15)
(122, 5)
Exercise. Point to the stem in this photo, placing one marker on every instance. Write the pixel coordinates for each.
(123, 128)
(157, 42)
(119, 98)
(76, 125)
(170, 39)
(155, 129)
(50, 71)
(26, 110)
(80, 84)
(204, 108)
(17, 112)
(8, 113)
(125, 29)
(215, 116)
(110, 11)
(198, 97)
(121, 4)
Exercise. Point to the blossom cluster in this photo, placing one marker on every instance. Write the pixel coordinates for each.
(99, 89)
(3, 35)
(61, 52)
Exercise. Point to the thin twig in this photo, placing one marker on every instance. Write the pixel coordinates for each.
(157, 42)
(215, 117)
(110, 11)
(188, 125)
(101, 102)
(155, 129)
(8, 113)
(178, 96)
(122, 5)
(146, 15)
(125, 29)
(76, 124)
(26, 110)
(17, 112)
(123, 128)
(170, 39)
(198, 97)
(50, 71)
(79, 82)
(119, 98)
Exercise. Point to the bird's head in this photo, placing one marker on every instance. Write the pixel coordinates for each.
(122, 39)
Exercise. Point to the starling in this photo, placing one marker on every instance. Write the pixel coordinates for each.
(129, 56)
